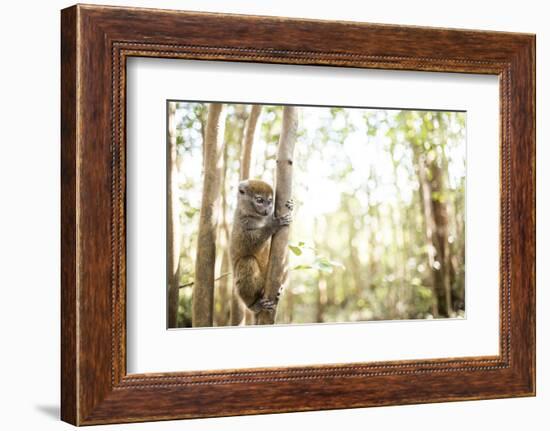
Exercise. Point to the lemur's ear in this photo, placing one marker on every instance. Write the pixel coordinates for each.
(242, 186)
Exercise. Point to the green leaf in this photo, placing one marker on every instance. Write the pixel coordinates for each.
(326, 265)
(300, 267)
(323, 265)
(190, 212)
(296, 250)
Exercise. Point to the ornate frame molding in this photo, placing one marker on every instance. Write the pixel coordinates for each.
(96, 41)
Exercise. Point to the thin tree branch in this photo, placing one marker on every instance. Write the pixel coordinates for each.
(191, 283)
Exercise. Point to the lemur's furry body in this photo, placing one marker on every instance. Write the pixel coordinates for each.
(253, 226)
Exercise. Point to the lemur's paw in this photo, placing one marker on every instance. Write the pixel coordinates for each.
(290, 204)
(267, 304)
(285, 220)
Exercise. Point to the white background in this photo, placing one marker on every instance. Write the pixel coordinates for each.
(29, 215)
(151, 348)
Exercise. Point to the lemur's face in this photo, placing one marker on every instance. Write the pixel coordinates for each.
(257, 196)
(263, 204)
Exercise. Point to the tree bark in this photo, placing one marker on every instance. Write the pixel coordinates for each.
(321, 298)
(173, 231)
(246, 160)
(277, 271)
(441, 243)
(425, 193)
(238, 309)
(435, 217)
(203, 290)
(289, 306)
(354, 260)
(458, 255)
(222, 293)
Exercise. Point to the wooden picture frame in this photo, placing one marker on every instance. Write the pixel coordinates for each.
(95, 43)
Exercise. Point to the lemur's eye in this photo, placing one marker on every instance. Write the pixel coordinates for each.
(260, 200)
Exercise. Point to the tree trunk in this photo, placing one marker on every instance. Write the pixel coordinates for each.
(321, 291)
(458, 255)
(222, 292)
(400, 288)
(373, 217)
(425, 193)
(202, 120)
(238, 309)
(321, 299)
(354, 261)
(246, 160)
(441, 243)
(203, 290)
(289, 306)
(435, 217)
(277, 271)
(173, 231)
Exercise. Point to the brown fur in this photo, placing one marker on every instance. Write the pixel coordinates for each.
(253, 225)
(260, 187)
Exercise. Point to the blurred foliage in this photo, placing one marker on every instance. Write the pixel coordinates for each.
(366, 243)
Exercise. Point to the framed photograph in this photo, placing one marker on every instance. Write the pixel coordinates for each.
(265, 215)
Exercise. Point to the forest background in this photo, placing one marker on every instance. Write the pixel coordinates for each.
(378, 231)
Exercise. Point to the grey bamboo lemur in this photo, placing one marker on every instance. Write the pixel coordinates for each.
(253, 225)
